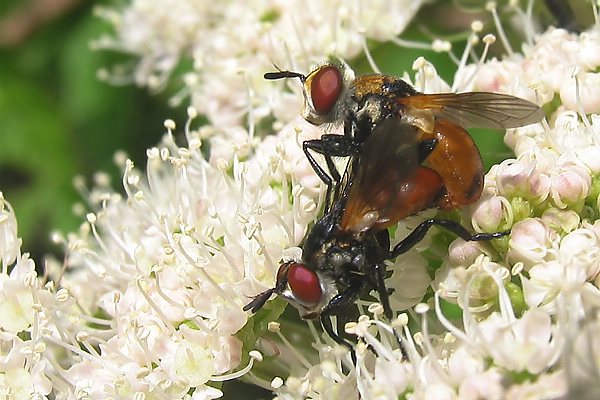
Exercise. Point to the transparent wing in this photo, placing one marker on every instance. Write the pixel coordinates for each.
(478, 109)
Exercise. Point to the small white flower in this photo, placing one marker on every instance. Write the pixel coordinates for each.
(9, 242)
(194, 363)
(526, 344)
(570, 268)
(16, 297)
(586, 88)
(16, 384)
(482, 385)
(530, 242)
(409, 281)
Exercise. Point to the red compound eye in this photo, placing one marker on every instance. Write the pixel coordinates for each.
(304, 283)
(325, 89)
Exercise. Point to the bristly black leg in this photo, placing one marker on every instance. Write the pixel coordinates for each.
(326, 323)
(336, 304)
(417, 235)
(329, 146)
(380, 271)
(384, 294)
(321, 173)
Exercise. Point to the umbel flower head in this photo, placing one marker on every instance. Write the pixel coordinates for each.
(153, 284)
(170, 264)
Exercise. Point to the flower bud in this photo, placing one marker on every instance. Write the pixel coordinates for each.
(561, 220)
(530, 242)
(589, 94)
(489, 214)
(570, 187)
(463, 253)
(520, 178)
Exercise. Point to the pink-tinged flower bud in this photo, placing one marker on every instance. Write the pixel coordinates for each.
(570, 187)
(512, 178)
(520, 178)
(463, 253)
(530, 242)
(490, 213)
(589, 93)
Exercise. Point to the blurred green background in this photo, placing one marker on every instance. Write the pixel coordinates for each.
(57, 120)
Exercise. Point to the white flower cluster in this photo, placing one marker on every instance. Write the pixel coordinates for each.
(32, 318)
(169, 266)
(229, 45)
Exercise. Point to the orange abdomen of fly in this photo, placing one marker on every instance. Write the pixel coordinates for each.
(458, 162)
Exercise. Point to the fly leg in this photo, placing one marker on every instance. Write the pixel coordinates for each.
(336, 304)
(417, 235)
(383, 240)
(384, 297)
(329, 145)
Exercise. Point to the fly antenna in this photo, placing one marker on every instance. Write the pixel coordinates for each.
(280, 74)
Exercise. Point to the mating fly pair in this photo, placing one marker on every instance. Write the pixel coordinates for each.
(408, 152)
